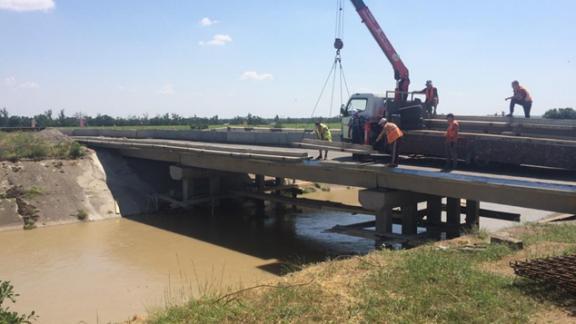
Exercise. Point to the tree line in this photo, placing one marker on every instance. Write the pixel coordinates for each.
(49, 119)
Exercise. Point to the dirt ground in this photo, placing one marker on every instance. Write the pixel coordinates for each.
(54, 192)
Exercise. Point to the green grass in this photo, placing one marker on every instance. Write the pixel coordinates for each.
(421, 286)
(560, 233)
(443, 287)
(26, 145)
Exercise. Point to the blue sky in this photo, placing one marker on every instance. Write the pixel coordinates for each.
(271, 57)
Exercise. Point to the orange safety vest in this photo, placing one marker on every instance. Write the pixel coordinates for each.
(430, 94)
(522, 94)
(452, 131)
(393, 132)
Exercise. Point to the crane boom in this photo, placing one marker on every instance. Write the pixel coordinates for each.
(401, 74)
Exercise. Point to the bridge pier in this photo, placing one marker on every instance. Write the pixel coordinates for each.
(201, 186)
(401, 207)
(472, 214)
(384, 202)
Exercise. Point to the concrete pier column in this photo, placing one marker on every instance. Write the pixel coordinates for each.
(409, 219)
(453, 211)
(260, 184)
(279, 182)
(434, 211)
(215, 189)
(472, 213)
(384, 220)
(383, 201)
(185, 189)
(259, 179)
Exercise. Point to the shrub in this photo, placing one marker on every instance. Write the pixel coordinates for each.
(560, 113)
(7, 316)
(82, 215)
(20, 145)
(76, 151)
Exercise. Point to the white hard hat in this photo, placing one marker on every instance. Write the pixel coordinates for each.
(382, 121)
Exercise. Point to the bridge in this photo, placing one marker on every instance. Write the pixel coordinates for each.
(393, 195)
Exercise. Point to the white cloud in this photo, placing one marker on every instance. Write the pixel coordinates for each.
(253, 75)
(9, 81)
(167, 90)
(207, 22)
(217, 40)
(27, 5)
(29, 85)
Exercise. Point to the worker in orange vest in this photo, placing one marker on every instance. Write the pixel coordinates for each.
(520, 97)
(392, 133)
(451, 143)
(432, 98)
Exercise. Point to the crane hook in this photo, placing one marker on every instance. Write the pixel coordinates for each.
(338, 44)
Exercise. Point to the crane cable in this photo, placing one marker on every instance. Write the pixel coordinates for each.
(336, 68)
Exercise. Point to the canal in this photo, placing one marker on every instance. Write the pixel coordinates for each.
(98, 272)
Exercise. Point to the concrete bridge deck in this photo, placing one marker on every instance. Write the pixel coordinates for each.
(522, 191)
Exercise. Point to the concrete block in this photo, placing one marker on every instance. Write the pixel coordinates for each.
(511, 242)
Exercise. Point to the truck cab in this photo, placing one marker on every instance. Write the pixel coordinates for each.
(371, 108)
(368, 106)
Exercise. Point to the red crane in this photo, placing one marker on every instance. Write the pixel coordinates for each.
(401, 74)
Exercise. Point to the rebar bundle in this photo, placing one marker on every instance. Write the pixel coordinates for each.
(557, 271)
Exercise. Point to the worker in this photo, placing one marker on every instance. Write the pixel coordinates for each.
(451, 143)
(392, 133)
(432, 98)
(323, 133)
(520, 97)
(356, 128)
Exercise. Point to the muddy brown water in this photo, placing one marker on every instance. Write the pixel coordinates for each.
(105, 271)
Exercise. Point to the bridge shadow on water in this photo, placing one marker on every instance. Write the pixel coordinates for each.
(292, 238)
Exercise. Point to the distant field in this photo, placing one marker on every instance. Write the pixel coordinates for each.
(187, 127)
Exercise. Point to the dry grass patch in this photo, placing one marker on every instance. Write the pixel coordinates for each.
(539, 250)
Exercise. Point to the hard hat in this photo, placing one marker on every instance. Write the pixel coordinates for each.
(382, 121)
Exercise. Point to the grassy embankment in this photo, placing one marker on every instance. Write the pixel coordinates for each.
(32, 146)
(459, 281)
(187, 127)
